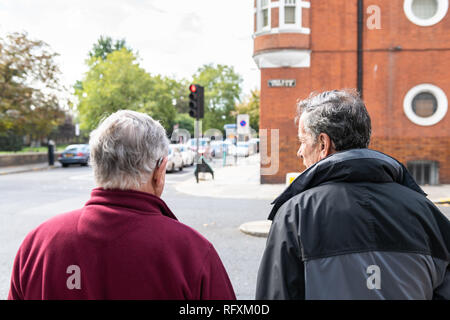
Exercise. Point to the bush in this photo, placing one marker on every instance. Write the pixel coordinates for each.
(10, 141)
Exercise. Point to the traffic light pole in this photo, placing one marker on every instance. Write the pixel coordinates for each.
(197, 134)
(196, 110)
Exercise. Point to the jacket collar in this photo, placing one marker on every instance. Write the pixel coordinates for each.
(141, 202)
(356, 165)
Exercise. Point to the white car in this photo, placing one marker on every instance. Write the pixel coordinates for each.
(230, 147)
(203, 145)
(217, 148)
(242, 149)
(174, 159)
(188, 155)
(256, 142)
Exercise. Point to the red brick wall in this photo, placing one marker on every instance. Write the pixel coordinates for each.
(421, 148)
(281, 41)
(396, 73)
(398, 30)
(388, 75)
(274, 18)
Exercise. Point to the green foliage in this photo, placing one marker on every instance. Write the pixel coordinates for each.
(222, 91)
(250, 106)
(9, 141)
(105, 46)
(29, 87)
(184, 121)
(117, 83)
(180, 92)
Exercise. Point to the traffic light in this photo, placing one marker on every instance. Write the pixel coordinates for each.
(196, 101)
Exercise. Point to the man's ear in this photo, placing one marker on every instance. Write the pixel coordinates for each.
(326, 145)
(158, 173)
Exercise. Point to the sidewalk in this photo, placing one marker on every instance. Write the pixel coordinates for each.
(28, 168)
(243, 182)
(236, 182)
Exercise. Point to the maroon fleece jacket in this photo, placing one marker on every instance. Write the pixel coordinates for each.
(120, 245)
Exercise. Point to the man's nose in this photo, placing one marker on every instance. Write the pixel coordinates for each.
(299, 154)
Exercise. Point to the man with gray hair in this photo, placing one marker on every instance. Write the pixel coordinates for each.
(354, 224)
(125, 243)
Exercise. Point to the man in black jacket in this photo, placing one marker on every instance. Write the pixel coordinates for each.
(354, 224)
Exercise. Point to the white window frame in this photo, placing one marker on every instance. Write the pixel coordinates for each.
(297, 26)
(298, 18)
(440, 14)
(259, 16)
(442, 104)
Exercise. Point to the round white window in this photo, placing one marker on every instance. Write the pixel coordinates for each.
(425, 12)
(425, 104)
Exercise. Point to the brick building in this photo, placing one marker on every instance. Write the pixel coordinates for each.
(397, 52)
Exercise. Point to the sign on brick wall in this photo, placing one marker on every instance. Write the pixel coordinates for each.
(276, 83)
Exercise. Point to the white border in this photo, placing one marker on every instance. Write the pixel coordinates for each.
(440, 14)
(442, 104)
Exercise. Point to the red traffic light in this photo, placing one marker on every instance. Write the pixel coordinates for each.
(193, 88)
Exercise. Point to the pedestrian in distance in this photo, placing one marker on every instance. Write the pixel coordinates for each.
(125, 243)
(354, 224)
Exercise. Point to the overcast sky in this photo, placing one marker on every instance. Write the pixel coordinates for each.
(173, 37)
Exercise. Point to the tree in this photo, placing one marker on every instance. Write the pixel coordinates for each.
(160, 101)
(29, 87)
(250, 106)
(222, 91)
(118, 82)
(105, 46)
(181, 95)
(184, 121)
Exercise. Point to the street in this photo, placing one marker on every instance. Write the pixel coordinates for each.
(28, 199)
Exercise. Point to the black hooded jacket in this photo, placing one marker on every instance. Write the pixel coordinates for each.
(355, 226)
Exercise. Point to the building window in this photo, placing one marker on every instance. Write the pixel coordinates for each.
(424, 171)
(290, 12)
(264, 14)
(425, 12)
(291, 16)
(424, 9)
(425, 104)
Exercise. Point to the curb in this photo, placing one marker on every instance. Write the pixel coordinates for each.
(4, 173)
(256, 228)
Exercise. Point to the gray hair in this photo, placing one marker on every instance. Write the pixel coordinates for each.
(341, 114)
(125, 149)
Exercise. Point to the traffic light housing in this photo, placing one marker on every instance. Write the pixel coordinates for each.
(196, 101)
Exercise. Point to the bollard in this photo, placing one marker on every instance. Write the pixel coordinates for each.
(224, 155)
(51, 152)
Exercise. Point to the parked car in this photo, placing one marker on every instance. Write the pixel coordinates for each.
(217, 148)
(242, 149)
(174, 159)
(256, 142)
(230, 147)
(204, 146)
(187, 154)
(75, 154)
